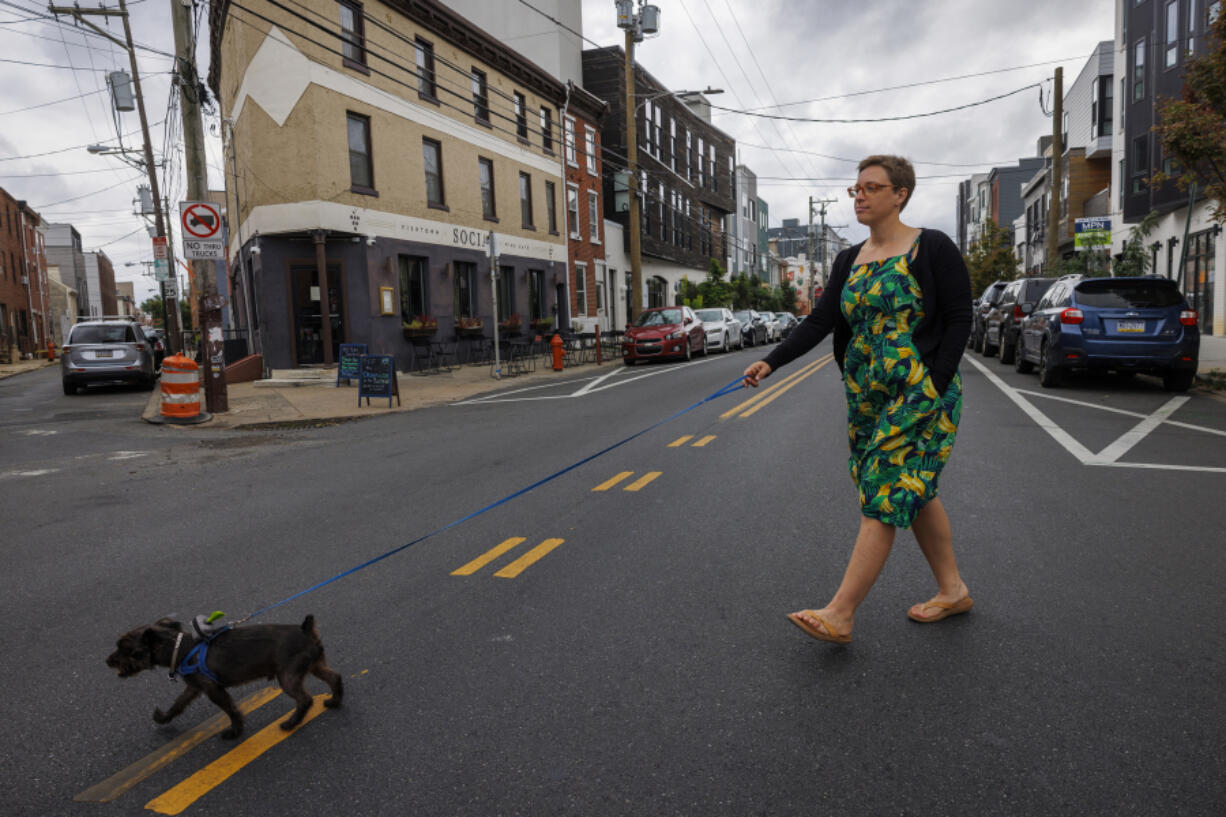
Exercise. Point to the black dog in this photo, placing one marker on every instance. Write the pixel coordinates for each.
(236, 656)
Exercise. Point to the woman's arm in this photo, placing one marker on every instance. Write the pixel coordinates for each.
(954, 285)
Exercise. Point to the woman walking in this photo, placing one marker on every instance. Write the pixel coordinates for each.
(899, 306)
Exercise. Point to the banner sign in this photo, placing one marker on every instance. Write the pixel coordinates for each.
(1092, 233)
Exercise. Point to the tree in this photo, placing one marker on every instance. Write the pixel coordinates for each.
(715, 291)
(1193, 129)
(1134, 260)
(991, 257)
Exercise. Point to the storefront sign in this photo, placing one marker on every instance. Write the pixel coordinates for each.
(350, 363)
(377, 378)
(1092, 233)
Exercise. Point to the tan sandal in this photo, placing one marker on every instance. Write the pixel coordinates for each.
(832, 635)
(947, 609)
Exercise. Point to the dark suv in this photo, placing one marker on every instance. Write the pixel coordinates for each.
(983, 305)
(1123, 325)
(1004, 320)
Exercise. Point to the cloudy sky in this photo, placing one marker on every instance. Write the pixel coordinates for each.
(839, 59)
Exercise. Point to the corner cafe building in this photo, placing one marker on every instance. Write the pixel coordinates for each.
(381, 270)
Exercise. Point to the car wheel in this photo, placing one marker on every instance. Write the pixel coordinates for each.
(70, 388)
(689, 351)
(1049, 376)
(1020, 363)
(987, 349)
(1178, 381)
(1007, 350)
(703, 351)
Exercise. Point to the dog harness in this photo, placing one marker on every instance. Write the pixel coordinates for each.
(195, 661)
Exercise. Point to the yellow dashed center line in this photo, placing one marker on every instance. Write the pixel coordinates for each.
(604, 486)
(643, 480)
(487, 557)
(681, 441)
(703, 441)
(528, 559)
(175, 800)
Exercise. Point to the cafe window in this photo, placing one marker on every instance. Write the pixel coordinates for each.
(506, 292)
(353, 37)
(432, 153)
(525, 200)
(361, 167)
(481, 98)
(425, 69)
(536, 294)
(413, 287)
(551, 207)
(485, 168)
(465, 293)
(547, 129)
(521, 115)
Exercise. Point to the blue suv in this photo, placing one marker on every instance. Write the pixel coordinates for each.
(1123, 325)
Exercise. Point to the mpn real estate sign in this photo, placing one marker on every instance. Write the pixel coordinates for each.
(1092, 233)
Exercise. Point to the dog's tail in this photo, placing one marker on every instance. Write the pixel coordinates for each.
(308, 627)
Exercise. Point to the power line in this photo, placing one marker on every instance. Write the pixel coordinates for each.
(54, 102)
(65, 150)
(87, 195)
(884, 118)
(857, 161)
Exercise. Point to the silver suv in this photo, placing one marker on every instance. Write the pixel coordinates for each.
(107, 350)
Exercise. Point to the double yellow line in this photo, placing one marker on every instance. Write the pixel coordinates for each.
(770, 393)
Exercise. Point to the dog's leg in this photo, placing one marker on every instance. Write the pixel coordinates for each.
(218, 695)
(291, 685)
(188, 695)
(323, 672)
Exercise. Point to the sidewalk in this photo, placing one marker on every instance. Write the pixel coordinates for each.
(10, 369)
(323, 402)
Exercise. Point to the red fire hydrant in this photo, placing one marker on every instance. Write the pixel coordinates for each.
(50, 350)
(556, 344)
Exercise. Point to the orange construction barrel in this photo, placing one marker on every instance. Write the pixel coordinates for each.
(180, 388)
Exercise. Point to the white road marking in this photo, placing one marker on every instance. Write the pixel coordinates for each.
(591, 386)
(1109, 456)
(128, 455)
(38, 473)
(38, 432)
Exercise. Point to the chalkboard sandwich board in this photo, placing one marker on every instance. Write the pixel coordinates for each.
(350, 362)
(377, 378)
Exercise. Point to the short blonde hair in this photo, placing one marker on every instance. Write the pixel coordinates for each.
(898, 169)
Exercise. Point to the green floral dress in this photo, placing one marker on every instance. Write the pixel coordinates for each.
(901, 430)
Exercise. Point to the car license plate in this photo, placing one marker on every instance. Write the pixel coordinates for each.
(101, 353)
(1130, 326)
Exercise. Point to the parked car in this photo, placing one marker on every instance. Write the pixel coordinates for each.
(722, 328)
(787, 322)
(664, 331)
(753, 327)
(773, 331)
(982, 305)
(157, 339)
(1124, 325)
(106, 350)
(1004, 320)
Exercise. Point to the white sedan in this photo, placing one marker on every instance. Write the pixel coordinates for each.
(774, 332)
(722, 328)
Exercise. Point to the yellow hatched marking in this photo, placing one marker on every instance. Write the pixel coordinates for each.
(528, 559)
(701, 443)
(175, 800)
(680, 441)
(643, 480)
(768, 394)
(604, 486)
(118, 783)
(487, 557)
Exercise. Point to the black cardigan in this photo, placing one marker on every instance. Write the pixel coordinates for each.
(940, 337)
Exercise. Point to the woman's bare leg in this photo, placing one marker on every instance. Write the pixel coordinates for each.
(873, 545)
(932, 532)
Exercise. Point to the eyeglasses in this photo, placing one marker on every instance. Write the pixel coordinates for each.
(871, 188)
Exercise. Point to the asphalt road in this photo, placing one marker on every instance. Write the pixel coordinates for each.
(642, 665)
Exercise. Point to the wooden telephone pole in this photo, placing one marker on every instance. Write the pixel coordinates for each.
(1057, 170)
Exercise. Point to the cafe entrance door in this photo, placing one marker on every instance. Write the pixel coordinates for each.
(308, 316)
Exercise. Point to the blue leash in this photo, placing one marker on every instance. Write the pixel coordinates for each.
(731, 387)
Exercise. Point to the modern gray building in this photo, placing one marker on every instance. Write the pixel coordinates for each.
(743, 256)
(66, 261)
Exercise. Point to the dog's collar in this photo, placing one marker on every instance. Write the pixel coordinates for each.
(174, 656)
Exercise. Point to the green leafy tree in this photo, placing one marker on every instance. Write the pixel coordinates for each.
(1192, 129)
(715, 291)
(991, 257)
(689, 294)
(1135, 258)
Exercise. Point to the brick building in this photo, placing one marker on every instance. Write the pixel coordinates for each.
(24, 307)
(590, 282)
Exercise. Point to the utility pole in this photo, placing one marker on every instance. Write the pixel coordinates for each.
(209, 305)
(1057, 169)
(823, 204)
(632, 185)
(78, 14)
